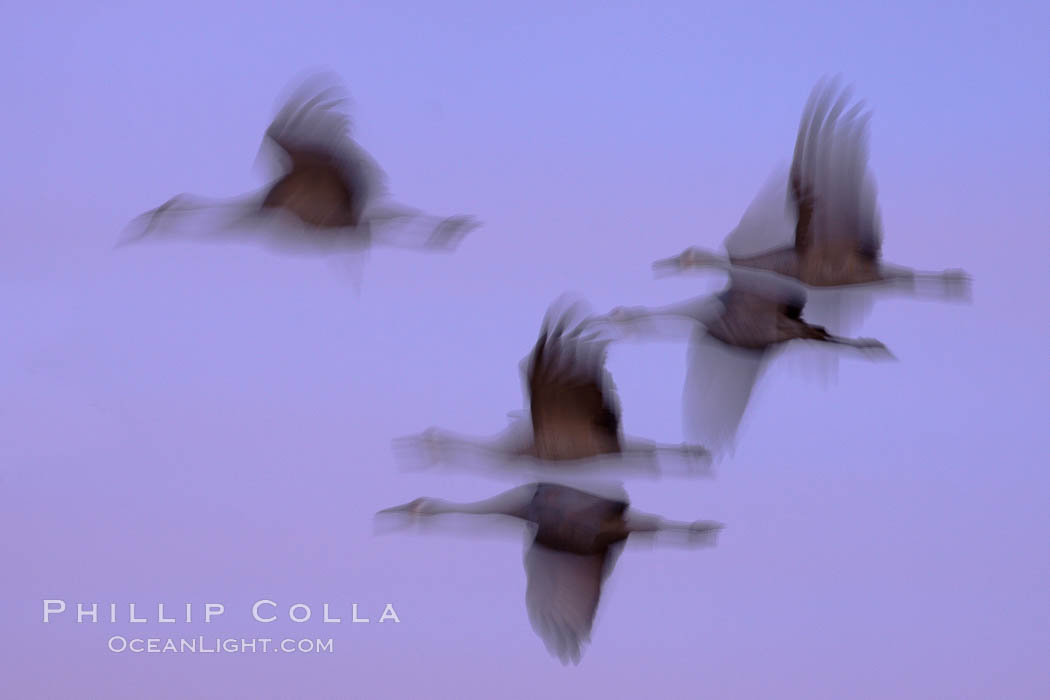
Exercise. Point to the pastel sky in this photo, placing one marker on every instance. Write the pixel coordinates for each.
(194, 423)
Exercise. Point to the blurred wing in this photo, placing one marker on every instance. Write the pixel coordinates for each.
(718, 384)
(767, 224)
(830, 183)
(312, 133)
(725, 362)
(561, 596)
(574, 407)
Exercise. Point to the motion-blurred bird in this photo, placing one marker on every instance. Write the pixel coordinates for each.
(733, 336)
(330, 192)
(833, 235)
(574, 412)
(576, 539)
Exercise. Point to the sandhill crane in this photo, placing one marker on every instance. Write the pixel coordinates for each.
(733, 336)
(834, 237)
(577, 537)
(573, 423)
(330, 191)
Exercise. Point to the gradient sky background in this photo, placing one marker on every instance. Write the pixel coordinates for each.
(185, 422)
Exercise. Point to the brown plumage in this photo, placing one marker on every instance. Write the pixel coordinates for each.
(326, 182)
(574, 408)
(577, 538)
(328, 179)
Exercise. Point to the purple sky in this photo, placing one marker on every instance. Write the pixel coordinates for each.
(193, 423)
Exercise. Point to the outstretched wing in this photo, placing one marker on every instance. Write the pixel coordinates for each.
(830, 183)
(574, 407)
(312, 134)
(561, 596)
(718, 384)
(767, 224)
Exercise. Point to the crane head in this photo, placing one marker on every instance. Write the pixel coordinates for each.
(691, 258)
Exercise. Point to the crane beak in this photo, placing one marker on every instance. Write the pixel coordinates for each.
(403, 508)
(667, 266)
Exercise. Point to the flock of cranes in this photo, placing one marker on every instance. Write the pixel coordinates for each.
(330, 197)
